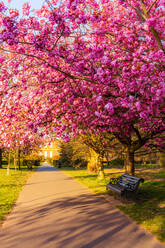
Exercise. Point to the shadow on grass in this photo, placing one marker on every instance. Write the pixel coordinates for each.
(147, 209)
(21, 169)
(8, 185)
(152, 174)
(72, 169)
(86, 176)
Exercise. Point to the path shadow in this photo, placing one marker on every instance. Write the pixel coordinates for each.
(74, 222)
(46, 168)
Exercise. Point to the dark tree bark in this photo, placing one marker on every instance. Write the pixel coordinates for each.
(0, 158)
(19, 162)
(129, 162)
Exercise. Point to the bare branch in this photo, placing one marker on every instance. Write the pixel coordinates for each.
(137, 133)
(148, 10)
(54, 67)
(153, 30)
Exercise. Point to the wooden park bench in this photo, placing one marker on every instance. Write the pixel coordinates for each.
(125, 184)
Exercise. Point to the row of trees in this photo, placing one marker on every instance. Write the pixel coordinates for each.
(84, 68)
(20, 157)
(87, 151)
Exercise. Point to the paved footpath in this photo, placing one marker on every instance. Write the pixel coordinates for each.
(54, 211)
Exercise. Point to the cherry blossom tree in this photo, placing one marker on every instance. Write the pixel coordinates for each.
(88, 65)
(16, 136)
(99, 146)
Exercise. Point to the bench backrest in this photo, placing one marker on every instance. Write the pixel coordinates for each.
(130, 182)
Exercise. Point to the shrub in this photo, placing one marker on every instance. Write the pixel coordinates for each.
(116, 163)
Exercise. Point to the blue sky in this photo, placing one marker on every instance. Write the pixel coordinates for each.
(17, 4)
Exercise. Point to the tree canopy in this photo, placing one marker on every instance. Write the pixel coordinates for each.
(83, 65)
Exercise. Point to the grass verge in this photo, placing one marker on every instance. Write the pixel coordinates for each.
(148, 209)
(10, 186)
(90, 180)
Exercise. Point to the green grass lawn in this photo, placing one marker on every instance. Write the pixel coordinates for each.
(148, 209)
(10, 186)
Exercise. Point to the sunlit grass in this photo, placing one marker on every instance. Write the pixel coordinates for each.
(10, 186)
(90, 180)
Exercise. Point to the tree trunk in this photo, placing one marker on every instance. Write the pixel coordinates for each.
(129, 162)
(93, 161)
(125, 163)
(8, 166)
(15, 160)
(161, 161)
(19, 162)
(101, 174)
(0, 158)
